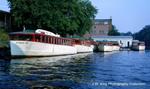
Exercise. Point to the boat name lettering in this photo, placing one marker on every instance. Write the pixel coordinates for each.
(22, 42)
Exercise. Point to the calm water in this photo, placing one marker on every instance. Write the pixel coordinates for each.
(114, 70)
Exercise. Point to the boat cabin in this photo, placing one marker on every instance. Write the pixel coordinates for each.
(36, 37)
(82, 42)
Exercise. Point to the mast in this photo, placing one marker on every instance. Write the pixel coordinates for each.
(24, 28)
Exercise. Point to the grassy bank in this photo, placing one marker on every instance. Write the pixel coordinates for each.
(4, 38)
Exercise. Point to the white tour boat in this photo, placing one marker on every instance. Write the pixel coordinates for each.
(83, 46)
(105, 47)
(40, 43)
(115, 46)
(138, 46)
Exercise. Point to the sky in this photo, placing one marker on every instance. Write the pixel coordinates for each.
(127, 15)
(4, 5)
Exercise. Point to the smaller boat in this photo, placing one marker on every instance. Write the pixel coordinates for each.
(116, 46)
(83, 46)
(105, 46)
(138, 45)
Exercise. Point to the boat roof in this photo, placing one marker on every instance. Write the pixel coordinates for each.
(30, 32)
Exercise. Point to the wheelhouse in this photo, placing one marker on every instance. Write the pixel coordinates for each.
(21, 37)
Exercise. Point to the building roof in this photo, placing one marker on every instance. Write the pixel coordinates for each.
(5, 12)
(102, 20)
(112, 37)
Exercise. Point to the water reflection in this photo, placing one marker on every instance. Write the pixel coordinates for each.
(56, 71)
(4, 66)
(76, 71)
(141, 52)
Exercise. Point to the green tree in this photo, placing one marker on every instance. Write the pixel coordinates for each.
(61, 16)
(113, 31)
(4, 35)
(143, 35)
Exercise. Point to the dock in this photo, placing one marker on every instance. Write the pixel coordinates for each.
(125, 49)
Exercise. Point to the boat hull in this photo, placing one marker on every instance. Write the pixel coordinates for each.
(105, 48)
(116, 48)
(84, 49)
(138, 48)
(28, 48)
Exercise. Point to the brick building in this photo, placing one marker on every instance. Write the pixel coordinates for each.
(5, 20)
(100, 27)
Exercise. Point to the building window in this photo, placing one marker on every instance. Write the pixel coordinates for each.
(94, 31)
(105, 23)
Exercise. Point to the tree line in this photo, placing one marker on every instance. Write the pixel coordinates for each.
(65, 17)
(113, 31)
(143, 35)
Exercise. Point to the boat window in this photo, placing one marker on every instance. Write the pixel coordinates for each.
(21, 37)
(43, 38)
(50, 40)
(47, 39)
(78, 42)
(37, 38)
(58, 41)
(69, 42)
(66, 42)
(53, 40)
(14, 37)
(62, 41)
